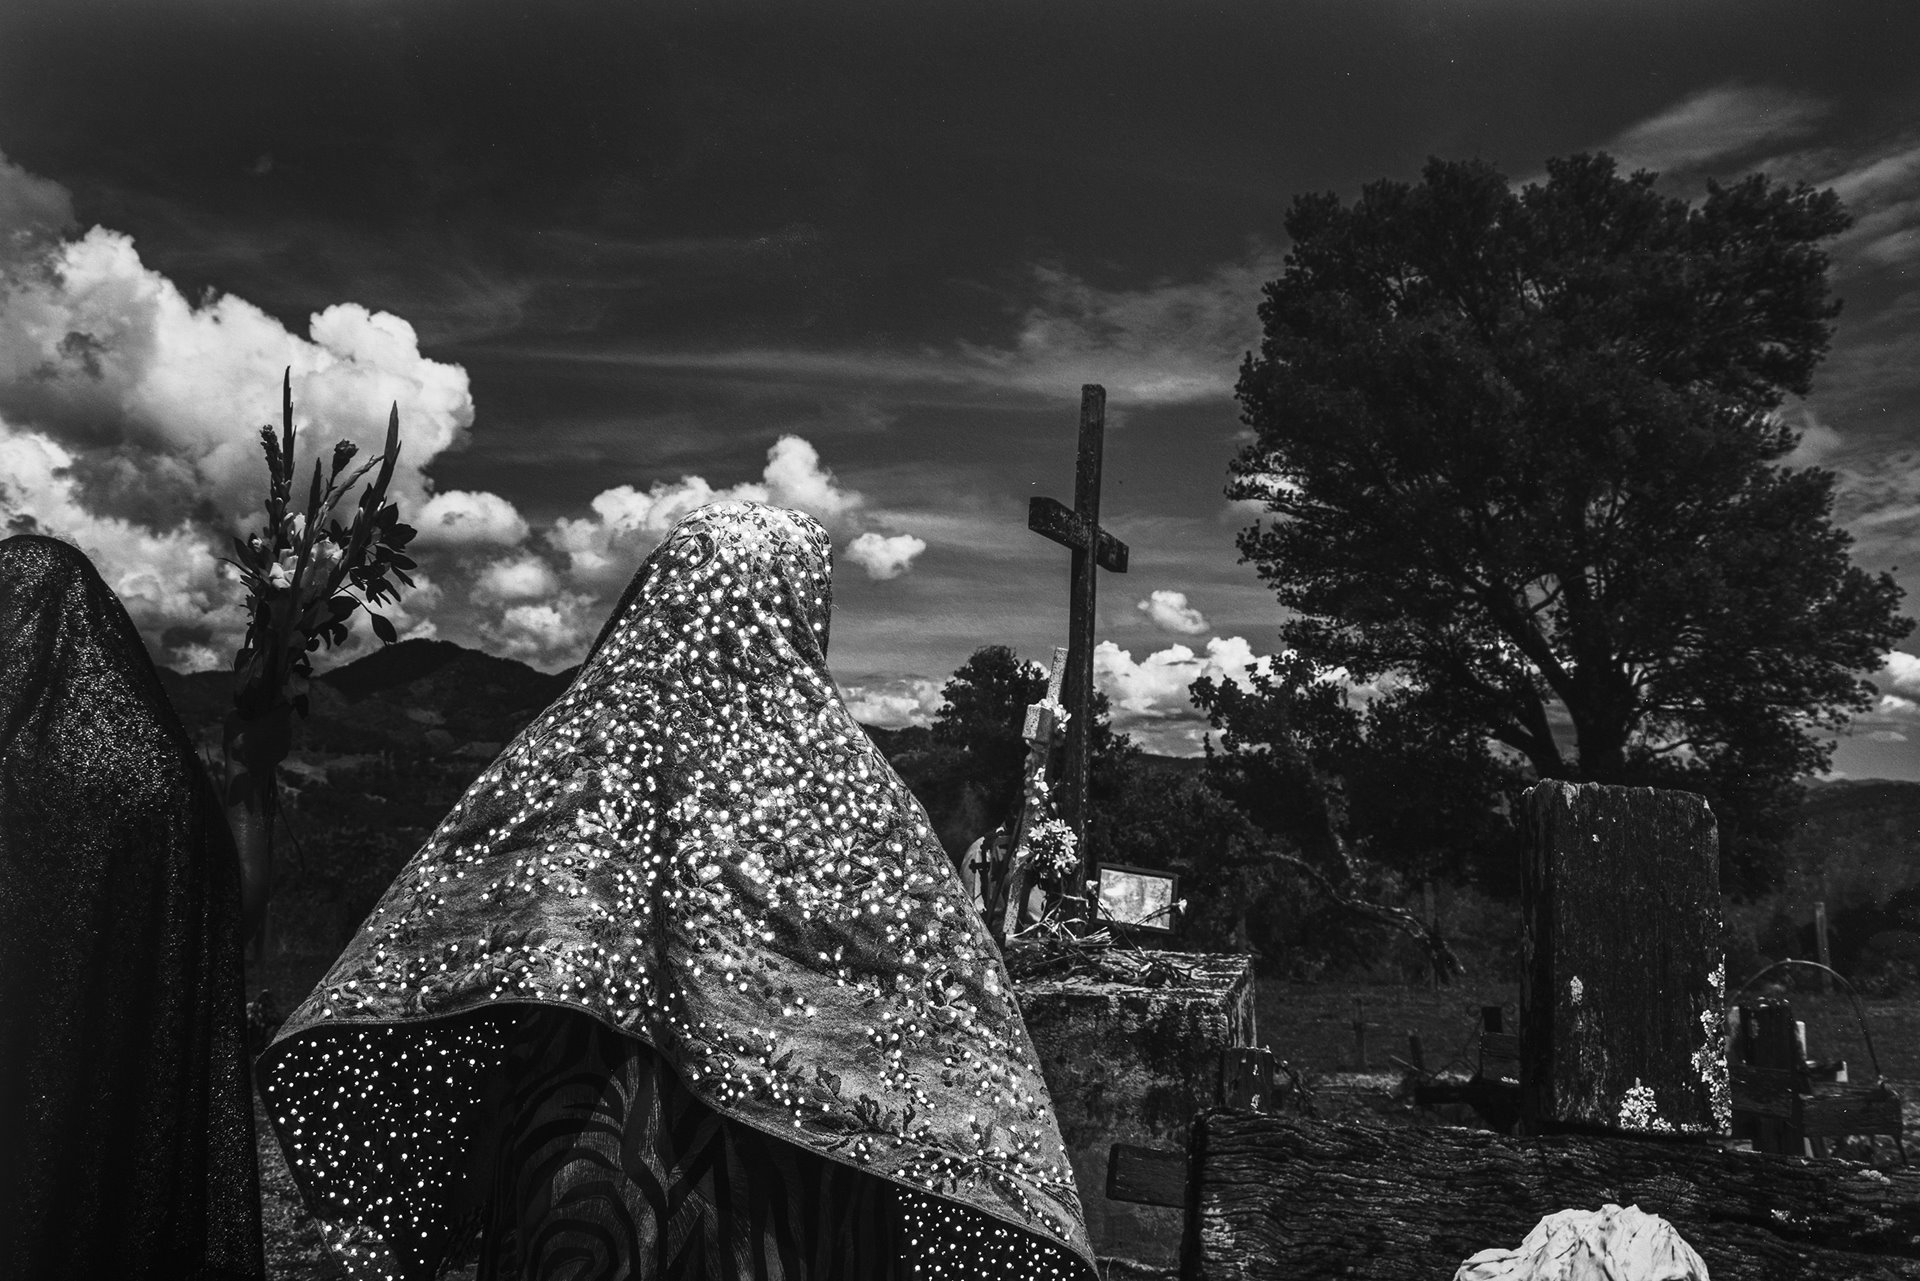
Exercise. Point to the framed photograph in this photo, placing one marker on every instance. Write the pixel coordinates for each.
(1138, 897)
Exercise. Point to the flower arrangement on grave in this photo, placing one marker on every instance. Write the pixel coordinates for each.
(1054, 846)
(306, 573)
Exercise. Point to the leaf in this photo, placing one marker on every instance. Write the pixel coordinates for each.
(383, 628)
(286, 425)
(391, 453)
(403, 577)
(313, 501)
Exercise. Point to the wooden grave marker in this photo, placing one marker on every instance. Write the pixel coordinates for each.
(1622, 978)
(1094, 549)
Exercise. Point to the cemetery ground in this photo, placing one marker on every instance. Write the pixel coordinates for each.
(1309, 1025)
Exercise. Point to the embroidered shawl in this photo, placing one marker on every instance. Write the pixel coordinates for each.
(699, 846)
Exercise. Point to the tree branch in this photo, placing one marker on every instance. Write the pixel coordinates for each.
(1445, 962)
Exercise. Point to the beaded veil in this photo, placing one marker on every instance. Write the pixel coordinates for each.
(700, 847)
(126, 1123)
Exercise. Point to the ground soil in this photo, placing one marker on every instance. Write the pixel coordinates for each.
(1309, 1026)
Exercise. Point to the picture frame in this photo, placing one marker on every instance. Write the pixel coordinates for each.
(1138, 898)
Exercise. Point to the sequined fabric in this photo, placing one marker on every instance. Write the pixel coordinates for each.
(698, 846)
(126, 1118)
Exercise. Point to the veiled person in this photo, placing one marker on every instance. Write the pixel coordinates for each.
(126, 1118)
(684, 986)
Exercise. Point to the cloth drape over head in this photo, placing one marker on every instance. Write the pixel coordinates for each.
(126, 1120)
(698, 846)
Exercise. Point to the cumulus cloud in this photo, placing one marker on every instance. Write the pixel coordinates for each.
(896, 703)
(516, 578)
(1170, 611)
(884, 557)
(129, 413)
(1727, 122)
(464, 518)
(1904, 669)
(1896, 706)
(794, 478)
(605, 548)
(172, 584)
(549, 634)
(1149, 696)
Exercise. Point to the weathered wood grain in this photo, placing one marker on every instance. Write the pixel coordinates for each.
(1147, 1176)
(1622, 988)
(1282, 1197)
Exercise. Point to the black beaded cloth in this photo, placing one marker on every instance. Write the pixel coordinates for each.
(126, 1118)
(700, 848)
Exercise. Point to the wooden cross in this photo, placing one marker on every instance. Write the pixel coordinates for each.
(1093, 548)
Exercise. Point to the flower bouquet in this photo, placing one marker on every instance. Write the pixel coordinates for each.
(305, 574)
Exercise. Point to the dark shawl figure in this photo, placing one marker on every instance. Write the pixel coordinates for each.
(126, 1117)
(684, 986)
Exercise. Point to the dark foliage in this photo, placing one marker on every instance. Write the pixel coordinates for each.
(969, 773)
(1521, 452)
(1404, 790)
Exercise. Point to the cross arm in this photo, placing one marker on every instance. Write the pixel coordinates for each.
(1054, 519)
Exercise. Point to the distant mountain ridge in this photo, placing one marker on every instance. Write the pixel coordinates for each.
(422, 694)
(440, 699)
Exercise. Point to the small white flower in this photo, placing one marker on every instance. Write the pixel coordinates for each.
(280, 576)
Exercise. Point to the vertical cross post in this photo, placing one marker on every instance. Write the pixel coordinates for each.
(1093, 550)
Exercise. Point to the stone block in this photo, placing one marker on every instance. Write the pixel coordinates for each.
(1130, 1044)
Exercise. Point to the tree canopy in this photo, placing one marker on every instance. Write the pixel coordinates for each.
(978, 725)
(1523, 456)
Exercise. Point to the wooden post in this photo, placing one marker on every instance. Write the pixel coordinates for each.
(1093, 549)
(1820, 942)
(1359, 1034)
(1773, 1044)
(1622, 975)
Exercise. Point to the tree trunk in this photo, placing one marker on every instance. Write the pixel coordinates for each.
(251, 818)
(1279, 1197)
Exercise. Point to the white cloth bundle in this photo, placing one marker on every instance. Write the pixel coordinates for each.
(1608, 1244)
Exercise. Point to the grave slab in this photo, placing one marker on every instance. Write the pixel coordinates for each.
(1130, 1044)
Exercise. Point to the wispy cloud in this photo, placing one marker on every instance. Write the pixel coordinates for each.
(1726, 123)
(1171, 342)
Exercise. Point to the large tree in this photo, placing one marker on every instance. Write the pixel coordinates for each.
(1522, 449)
(983, 713)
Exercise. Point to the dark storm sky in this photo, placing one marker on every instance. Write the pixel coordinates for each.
(658, 237)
